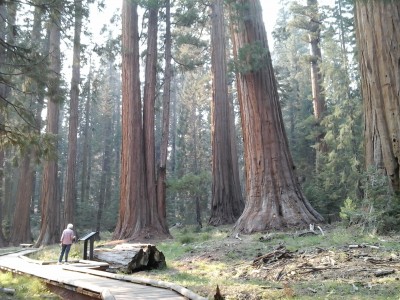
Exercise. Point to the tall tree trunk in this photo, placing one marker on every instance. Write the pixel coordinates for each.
(138, 216)
(227, 203)
(314, 37)
(49, 229)
(117, 148)
(149, 97)
(378, 37)
(20, 229)
(133, 203)
(85, 176)
(3, 104)
(108, 137)
(274, 196)
(162, 168)
(9, 170)
(70, 180)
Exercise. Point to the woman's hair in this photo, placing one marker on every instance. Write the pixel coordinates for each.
(70, 226)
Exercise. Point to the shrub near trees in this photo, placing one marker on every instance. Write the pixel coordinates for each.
(175, 127)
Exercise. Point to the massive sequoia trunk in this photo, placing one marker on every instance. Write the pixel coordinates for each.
(162, 168)
(50, 208)
(274, 196)
(149, 97)
(21, 229)
(378, 36)
(227, 201)
(138, 215)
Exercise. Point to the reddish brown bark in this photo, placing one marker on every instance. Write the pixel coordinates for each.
(132, 199)
(378, 37)
(274, 196)
(162, 168)
(138, 215)
(149, 97)
(227, 203)
(50, 208)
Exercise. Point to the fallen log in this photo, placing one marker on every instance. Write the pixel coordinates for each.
(380, 273)
(130, 258)
(279, 253)
(7, 291)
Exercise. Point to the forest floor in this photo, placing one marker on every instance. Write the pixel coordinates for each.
(341, 263)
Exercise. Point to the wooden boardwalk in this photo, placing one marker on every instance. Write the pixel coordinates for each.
(87, 281)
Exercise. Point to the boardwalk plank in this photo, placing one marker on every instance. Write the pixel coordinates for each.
(121, 290)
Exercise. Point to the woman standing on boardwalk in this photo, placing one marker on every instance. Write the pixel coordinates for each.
(67, 238)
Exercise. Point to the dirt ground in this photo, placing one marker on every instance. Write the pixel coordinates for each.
(350, 270)
(333, 264)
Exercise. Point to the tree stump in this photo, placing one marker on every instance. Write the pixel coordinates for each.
(130, 258)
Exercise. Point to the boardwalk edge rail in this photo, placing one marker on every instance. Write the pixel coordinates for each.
(139, 280)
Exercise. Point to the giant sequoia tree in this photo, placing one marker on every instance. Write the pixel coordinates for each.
(378, 36)
(49, 228)
(138, 215)
(274, 195)
(227, 201)
(21, 229)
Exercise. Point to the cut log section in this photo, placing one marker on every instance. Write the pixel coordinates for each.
(130, 258)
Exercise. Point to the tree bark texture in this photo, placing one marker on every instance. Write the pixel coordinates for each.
(314, 37)
(130, 258)
(138, 215)
(21, 227)
(149, 97)
(50, 214)
(227, 203)
(132, 199)
(274, 196)
(70, 180)
(378, 37)
(2, 125)
(162, 168)
(85, 176)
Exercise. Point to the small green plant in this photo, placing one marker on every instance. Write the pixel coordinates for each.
(378, 210)
(348, 212)
(186, 239)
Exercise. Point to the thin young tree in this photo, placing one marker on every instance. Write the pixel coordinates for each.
(86, 136)
(107, 97)
(70, 180)
(227, 202)
(378, 39)
(274, 195)
(3, 91)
